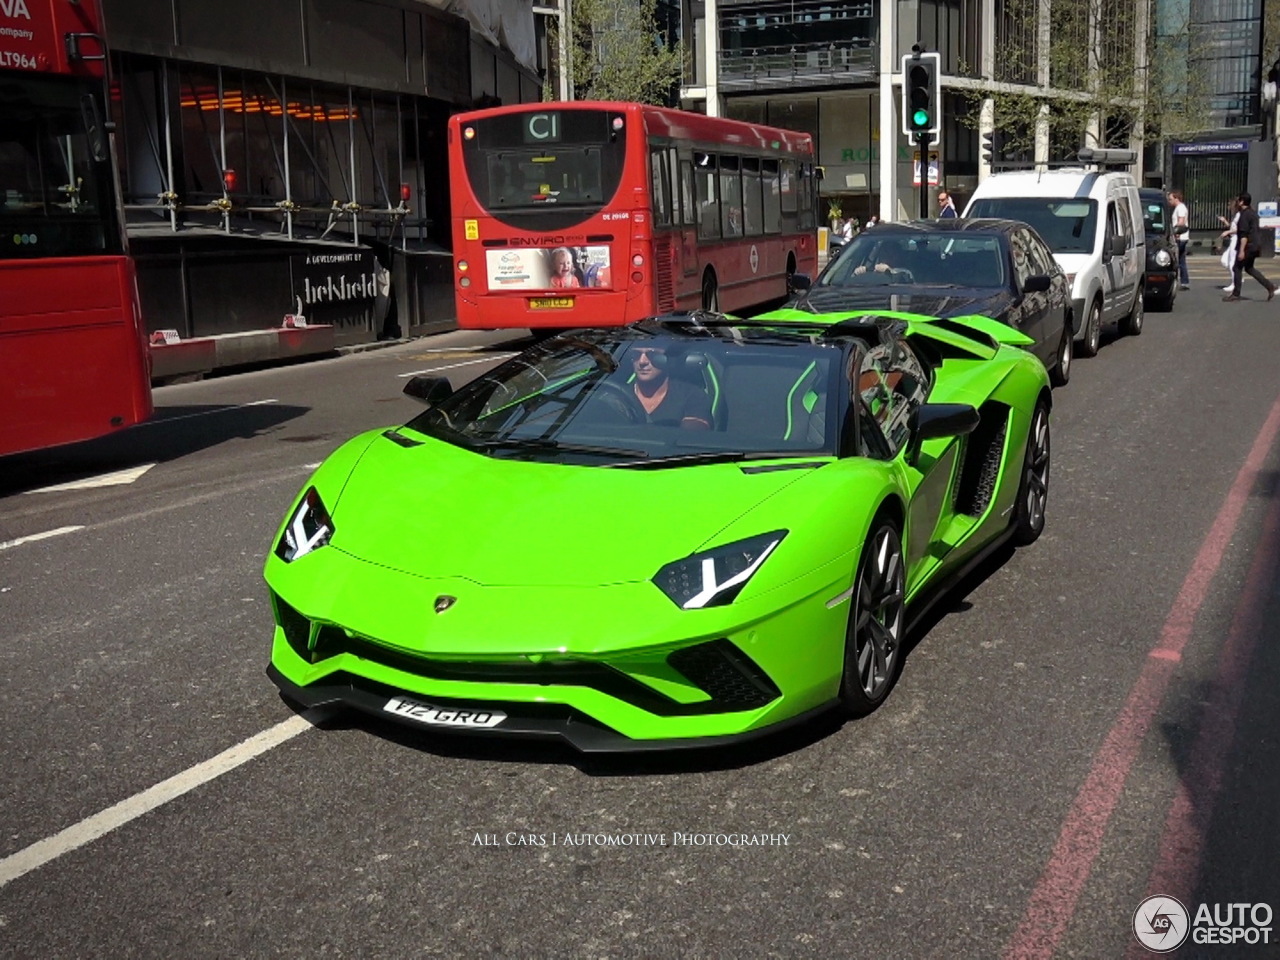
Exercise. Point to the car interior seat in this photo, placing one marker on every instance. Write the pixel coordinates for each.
(807, 407)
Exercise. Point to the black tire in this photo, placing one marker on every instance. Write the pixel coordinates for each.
(873, 636)
(1033, 490)
(1131, 326)
(1060, 375)
(710, 293)
(1092, 338)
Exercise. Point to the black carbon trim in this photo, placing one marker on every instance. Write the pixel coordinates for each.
(524, 720)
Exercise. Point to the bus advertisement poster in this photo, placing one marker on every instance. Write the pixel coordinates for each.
(549, 268)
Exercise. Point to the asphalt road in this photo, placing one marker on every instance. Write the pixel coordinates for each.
(1090, 720)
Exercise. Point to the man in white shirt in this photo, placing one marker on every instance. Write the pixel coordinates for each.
(1181, 233)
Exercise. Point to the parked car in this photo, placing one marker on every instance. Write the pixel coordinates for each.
(953, 268)
(1161, 282)
(543, 554)
(1092, 221)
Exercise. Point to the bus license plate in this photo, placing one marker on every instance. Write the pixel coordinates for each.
(551, 303)
(441, 717)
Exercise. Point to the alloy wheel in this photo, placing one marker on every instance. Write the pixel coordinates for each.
(876, 625)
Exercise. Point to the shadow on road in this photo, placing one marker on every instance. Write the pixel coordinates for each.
(173, 432)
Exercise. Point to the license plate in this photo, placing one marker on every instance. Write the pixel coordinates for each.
(441, 716)
(551, 303)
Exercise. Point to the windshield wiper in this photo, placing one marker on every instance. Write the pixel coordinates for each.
(553, 446)
(718, 456)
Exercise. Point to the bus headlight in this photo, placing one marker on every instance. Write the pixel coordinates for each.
(463, 266)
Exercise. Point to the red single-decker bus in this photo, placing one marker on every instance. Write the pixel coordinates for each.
(74, 360)
(589, 213)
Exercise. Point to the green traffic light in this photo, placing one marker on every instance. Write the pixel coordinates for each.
(920, 118)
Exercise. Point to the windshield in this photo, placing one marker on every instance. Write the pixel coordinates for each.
(1153, 215)
(651, 397)
(945, 259)
(1067, 225)
(546, 168)
(55, 173)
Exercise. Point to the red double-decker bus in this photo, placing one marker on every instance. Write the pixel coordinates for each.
(591, 213)
(74, 360)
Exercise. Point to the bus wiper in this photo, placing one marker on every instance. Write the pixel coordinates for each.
(554, 446)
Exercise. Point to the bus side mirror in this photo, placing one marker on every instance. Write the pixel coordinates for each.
(428, 390)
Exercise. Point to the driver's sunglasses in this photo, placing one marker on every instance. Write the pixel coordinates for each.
(648, 353)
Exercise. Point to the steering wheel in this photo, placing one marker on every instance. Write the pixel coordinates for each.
(620, 400)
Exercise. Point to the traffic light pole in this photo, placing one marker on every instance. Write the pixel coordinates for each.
(923, 139)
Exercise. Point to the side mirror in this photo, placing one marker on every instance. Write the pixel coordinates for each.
(428, 390)
(1118, 245)
(934, 420)
(798, 283)
(1036, 283)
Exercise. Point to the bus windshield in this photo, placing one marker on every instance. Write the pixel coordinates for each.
(1067, 225)
(55, 174)
(564, 163)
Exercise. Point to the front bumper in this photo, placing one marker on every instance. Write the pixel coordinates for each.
(652, 677)
(525, 720)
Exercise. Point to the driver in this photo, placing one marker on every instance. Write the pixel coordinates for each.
(889, 259)
(667, 402)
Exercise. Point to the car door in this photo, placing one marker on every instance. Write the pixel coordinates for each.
(892, 385)
(1113, 267)
(1030, 307)
(1129, 218)
(1052, 303)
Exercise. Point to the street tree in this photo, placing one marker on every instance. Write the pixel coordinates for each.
(620, 52)
(1067, 70)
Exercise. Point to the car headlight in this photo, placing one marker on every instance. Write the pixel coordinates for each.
(715, 577)
(309, 528)
(1163, 258)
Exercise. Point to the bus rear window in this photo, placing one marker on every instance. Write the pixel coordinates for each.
(557, 160)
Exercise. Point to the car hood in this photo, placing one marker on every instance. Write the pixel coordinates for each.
(1073, 263)
(933, 302)
(438, 511)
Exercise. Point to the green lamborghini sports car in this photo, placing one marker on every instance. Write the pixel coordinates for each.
(685, 532)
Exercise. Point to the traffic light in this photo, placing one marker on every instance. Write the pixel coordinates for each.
(989, 148)
(921, 94)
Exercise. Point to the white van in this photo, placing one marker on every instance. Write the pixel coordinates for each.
(1092, 221)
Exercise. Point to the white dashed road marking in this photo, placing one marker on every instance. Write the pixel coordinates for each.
(100, 824)
(6, 544)
(118, 478)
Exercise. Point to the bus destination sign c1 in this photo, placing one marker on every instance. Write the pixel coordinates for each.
(542, 128)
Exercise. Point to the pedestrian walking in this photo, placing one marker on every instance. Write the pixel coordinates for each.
(1247, 238)
(1181, 233)
(1228, 237)
(946, 206)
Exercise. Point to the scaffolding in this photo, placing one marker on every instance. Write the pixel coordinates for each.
(351, 199)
